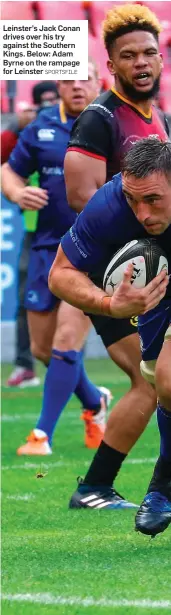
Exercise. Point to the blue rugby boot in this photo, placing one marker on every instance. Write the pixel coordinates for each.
(154, 514)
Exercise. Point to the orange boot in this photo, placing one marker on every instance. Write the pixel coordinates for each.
(36, 444)
(95, 423)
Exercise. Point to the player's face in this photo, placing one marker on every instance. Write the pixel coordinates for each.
(136, 64)
(150, 200)
(77, 94)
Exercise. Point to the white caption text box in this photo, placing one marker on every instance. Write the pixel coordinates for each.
(44, 50)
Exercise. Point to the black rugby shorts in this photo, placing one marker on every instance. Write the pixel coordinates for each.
(112, 330)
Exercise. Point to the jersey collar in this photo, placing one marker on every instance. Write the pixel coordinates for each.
(129, 102)
(62, 113)
(64, 117)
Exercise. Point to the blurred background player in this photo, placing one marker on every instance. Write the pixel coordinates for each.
(44, 94)
(99, 139)
(57, 330)
(134, 204)
(11, 88)
(9, 135)
(23, 373)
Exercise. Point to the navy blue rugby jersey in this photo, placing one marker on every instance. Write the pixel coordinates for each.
(109, 126)
(41, 147)
(106, 224)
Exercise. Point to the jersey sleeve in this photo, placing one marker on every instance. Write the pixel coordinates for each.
(86, 244)
(23, 157)
(91, 135)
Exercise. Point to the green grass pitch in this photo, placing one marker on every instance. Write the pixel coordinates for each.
(61, 562)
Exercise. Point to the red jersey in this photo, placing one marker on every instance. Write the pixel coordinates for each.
(110, 125)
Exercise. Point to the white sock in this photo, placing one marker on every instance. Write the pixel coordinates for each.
(39, 433)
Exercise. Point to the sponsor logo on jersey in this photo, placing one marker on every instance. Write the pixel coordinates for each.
(98, 106)
(153, 137)
(46, 134)
(75, 240)
(52, 171)
(32, 296)
(134, 321)
(133, 138)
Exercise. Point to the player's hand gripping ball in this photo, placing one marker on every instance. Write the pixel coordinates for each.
(148, 260)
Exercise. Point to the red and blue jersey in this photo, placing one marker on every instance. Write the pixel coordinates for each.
(41, 147)
(109, 126)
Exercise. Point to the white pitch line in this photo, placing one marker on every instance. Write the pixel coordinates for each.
(26, 497)
(144, 460)
(120, 379)
(86, 602)
(58, 464)
(12, 418)
(36, 466)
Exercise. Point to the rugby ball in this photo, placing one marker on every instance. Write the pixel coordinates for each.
(147, 258)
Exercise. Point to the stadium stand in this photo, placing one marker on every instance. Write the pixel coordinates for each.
(14, 11)
(19, 10)
(61, 10)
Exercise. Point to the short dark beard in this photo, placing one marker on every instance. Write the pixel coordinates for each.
(131, 92)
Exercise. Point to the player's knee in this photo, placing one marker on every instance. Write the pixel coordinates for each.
(143, 384)
(133, 372)
(40, 352)
(66, 338)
